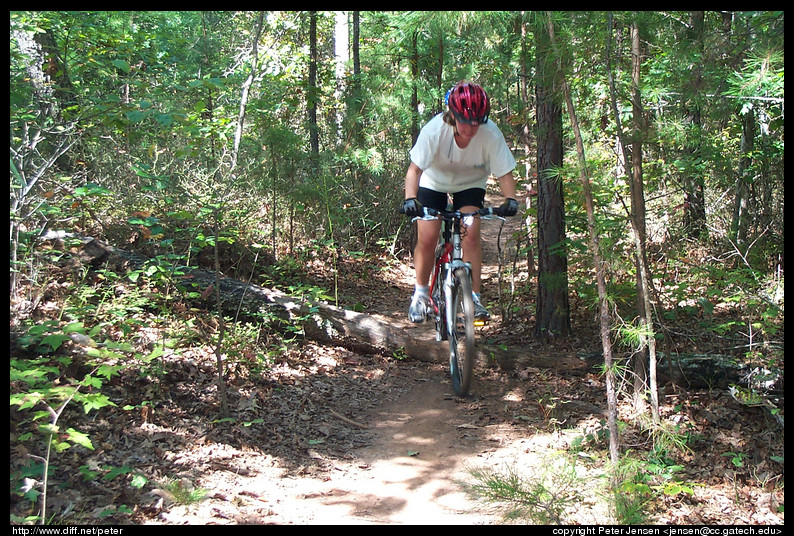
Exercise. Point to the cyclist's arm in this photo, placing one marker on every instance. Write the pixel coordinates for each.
(508, 185)
(412, 181)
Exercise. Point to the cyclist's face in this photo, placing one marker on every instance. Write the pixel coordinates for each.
(467, 131)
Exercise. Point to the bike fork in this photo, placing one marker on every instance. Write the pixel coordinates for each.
(449, 285)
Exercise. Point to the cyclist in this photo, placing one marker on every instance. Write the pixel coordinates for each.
(454, 155)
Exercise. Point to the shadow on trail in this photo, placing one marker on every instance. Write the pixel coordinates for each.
(426, 442)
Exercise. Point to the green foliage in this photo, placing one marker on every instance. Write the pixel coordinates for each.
(643, 481)
(641, 478)
(542, 497)
(33, 386)
(185, 493)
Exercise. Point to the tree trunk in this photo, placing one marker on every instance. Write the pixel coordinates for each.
(414, 88)
(341, 58)
(312, 91)
(526, 138)
(552, 318)
(741, 204)
(355, 47)
(357, 102)
(694, 195)
(638, 215)
(638, 224)
(224, 401)
(637, 220)
(52, 87)
(238, 133)
(606, 343)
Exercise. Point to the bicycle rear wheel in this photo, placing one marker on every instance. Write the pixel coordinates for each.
(461, 335)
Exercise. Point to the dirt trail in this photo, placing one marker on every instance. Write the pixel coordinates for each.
(414, 470)
(410, 474)
(423, 442)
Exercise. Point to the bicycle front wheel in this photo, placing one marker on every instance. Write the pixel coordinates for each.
(461, 332)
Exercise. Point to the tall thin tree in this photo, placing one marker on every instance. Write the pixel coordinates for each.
(595, 246)
(312, 92)
(636, 216)
(693, 180)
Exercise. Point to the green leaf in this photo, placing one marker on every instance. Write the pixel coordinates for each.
(136, 115)
(74, 327)
(95, 401)
(32, 375)
(91, 188)
(139, 481)
(90, 381)
(79, 438)
(109, 370)
(54, 341)
(116, 471)
(154, 354)
(59, 446)
(26, 400)
(164, 119)
(40, 415)
(48, 429)
(121, 65)
(87, 473)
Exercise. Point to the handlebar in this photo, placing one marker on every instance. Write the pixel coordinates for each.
(431, 213)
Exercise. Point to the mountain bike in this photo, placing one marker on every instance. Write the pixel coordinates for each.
(451, 300)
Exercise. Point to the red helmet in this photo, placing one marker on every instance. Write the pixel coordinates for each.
(469, 103)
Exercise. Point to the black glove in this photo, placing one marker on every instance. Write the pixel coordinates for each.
(412, 208)
(509, 207)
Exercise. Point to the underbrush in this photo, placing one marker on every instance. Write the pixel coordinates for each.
(78, 333)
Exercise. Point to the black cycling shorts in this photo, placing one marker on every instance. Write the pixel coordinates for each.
(473, 197)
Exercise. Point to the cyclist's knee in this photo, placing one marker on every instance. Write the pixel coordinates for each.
(426, 240)
(427, 237)
(472, 235)
(426, 246)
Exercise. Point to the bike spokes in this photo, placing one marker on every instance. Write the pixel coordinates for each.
(461, 334)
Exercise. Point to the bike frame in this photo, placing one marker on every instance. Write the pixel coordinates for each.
(451, 289)
(450, 259)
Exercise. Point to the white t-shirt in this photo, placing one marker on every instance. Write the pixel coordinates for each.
(447, 168)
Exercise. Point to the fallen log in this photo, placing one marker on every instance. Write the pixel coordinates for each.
(321, 322)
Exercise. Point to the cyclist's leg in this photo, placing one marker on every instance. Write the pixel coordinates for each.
(469, 201)
(427, 235)
(424, 255)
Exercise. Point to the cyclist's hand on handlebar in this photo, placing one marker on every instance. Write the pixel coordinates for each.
(508, 208)
(412, 208)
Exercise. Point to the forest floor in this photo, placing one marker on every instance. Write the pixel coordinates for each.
(328, 436)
